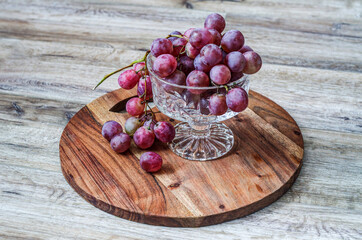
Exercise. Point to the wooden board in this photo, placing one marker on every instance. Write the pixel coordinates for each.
(263, 164)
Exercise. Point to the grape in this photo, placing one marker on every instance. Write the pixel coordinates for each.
(121, 142)
(235, 61)
(245, 48)
(164, 65)
(220, 74)
(211, 55)
(128, 79)
(178, 46)
(237, 99)
(191, 98)
(191, 51)
(174, 33)
(215, 21)
(200, 37)
(161, 46)
(144, 137)
(178, 78)
(150, 162)
(216, 37)
(253, 62)
(164, 131)
(131, 125)
(201, 65)
(232, 40)
(145, 83)
(138, 67)
(223, 57)
(185, 64)
(204, 106)
(197, 79)
(236, 76)
(110, 129)
(150, 124)
(188, 32)
(135, 106)
(217, 104)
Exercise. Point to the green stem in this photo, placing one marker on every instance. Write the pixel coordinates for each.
(178, 36)
(121, 69)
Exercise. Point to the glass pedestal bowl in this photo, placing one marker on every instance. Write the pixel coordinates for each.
(200, 136)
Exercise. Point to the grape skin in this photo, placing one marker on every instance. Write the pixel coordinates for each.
(161, 46)
(135, 106)
(128, 79)
(245, 48)
(151, 162)
(191, 51)
(217, 104)
(216, 37)
(253, 62)
(121, 143)
(144, 137)
(236, 76)
(237, 99)
(188, 32)
(200, 37)
(131, 125)
(211, 55)
(235, 61)
(178, 78)
(179, 45)
(145, 83)
(220, 74)
(197, 79)
(215, 21)
(164, 131)
(232, 40)
(164, 65)
(110, 129)
(186, 65)
(139, 66)
(174, 33)
(201, 65)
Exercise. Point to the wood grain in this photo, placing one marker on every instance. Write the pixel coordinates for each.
(264, 163)
(53, 52)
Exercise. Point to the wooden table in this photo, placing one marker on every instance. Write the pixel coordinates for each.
(53, 53)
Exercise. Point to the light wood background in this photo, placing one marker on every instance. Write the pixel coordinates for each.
(53, 52)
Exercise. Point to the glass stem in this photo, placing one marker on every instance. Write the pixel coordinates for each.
(200, 130)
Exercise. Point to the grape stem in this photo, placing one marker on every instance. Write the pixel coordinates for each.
(178, 36)
(121, 69)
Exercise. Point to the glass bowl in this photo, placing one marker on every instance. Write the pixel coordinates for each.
(200, 135)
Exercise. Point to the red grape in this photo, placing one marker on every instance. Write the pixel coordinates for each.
(121, 142)
(197, 79)
(253, 62)
(188, 32)
(131, 125)
(150, 162)
(236, 76)
(178, 46)
(245, 48)
(164, 65)
(237, 99)
(201, 65)
(178, 78)
(200, 37)
(232, 40)
(174, 33)
(191, 51)
(145, 83)
(150, 124)
(216, 37)
(185, 64)
(217, 104)
(128, 79)
(220, 74)
(164, 131)
(204, 106)
(110, 129)
(215, 21)
(144, 137)
(138, 67)
(135, 106)
(235, 61)
(161, 46)
(211, 55)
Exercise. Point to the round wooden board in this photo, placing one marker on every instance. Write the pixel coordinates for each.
(264, 163)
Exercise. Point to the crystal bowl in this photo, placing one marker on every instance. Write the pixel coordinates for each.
(200, 135)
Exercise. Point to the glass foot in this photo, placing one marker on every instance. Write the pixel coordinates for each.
(209, 143)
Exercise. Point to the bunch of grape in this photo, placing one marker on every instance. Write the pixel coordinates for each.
(200, 57)
(144, 130)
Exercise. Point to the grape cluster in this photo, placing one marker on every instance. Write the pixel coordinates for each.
(200, 57)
